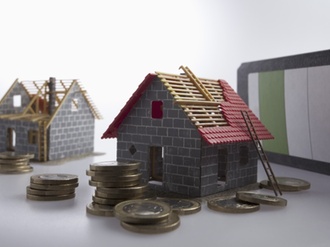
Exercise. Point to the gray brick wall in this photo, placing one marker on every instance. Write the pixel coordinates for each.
(21, 129)
(7, 106)
(174, 132)
(72, 132)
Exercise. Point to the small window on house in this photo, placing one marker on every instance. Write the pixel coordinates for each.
(243, 155)
(33, 136)
(17, 100)
(156, 163)
(74, 105)
(157, 109)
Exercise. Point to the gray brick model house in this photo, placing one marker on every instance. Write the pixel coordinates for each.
(51, 119)
(188, 134)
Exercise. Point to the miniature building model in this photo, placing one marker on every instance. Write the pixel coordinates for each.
(188, 133)
(51, 119)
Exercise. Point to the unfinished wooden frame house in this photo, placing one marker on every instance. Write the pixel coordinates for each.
(52, 119)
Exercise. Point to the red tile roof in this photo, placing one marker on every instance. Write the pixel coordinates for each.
(230, 108)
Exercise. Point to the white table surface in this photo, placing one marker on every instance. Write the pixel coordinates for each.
(304, 222)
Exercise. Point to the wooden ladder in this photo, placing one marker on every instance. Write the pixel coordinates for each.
(42, 144)
(199, 85)
(261, 153)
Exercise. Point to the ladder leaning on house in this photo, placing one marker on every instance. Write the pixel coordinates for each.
(261, 153)
(42, 142)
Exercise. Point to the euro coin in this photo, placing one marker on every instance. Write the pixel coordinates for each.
(117, 179)
(53, 186)
(50, 198)
(54, 179)
(114, 166)
(112, 173)
(31, 191)
(100, 210)
(292, 184)
(16, 170)
(253, 197)
(232, 205)
(141, 211)
(182, 206)
(127, 191)
(171, 224)
(113, 184)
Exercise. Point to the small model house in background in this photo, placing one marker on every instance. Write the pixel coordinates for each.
(51, 119)
(188, 133)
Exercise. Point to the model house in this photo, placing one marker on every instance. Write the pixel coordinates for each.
(51, 119)
(188, 133)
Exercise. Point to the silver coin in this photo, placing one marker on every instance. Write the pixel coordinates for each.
(253, 197)
(232, 205)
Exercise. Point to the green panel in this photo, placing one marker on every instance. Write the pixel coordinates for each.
(272, 110)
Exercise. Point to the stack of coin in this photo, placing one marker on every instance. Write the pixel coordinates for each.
(115, 182)
(146, 216)
(11, 162)
(52, 187)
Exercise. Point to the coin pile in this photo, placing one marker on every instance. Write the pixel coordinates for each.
(52, 187)
(115, 182)
(11, 162)
(287, 184)
(259, 198)
(146, 216)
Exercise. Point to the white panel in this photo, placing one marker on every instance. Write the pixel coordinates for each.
(253, 93)
(319, 111)
(296, 113)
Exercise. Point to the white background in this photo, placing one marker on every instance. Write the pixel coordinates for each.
(110, 46)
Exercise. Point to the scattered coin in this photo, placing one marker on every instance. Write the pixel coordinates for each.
(100, 210)
(141, 211)
(253, 197)
(171, 224)
(182, 206)
(287, 184)
(232, 205)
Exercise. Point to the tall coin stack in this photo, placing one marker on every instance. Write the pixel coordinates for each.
(115, 182)
(52, 187)
(11, 162)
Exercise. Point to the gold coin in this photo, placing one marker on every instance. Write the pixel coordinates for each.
(141, 211)
(117, 179)
(100, 210)
(31, 191)
(127, 191)
(232, 205)
(114, 166)
(53, 186)
(113, 184)
(291, 184)
(20, 162)
(107, 201)
(14, 155)
(253, 197)
(54, 179)
(50, 198)
(111, 173)
(171, 224)
(16, 170)
(182, 206)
